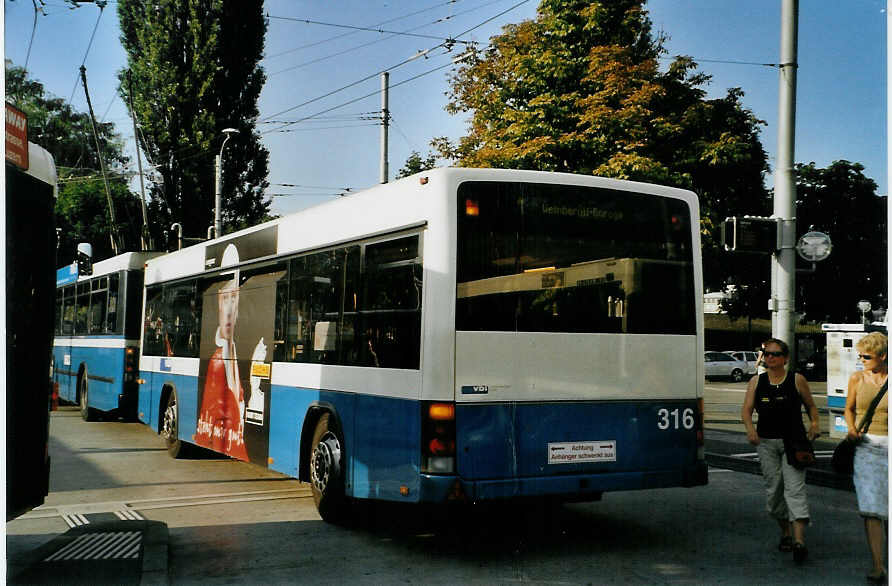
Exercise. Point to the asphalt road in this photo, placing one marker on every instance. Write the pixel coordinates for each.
(230, 522)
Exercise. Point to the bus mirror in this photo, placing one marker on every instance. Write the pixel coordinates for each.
(84, 259)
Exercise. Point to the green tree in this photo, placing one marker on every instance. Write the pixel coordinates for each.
(416, 164)
(842, 202)
(81, 206)
(194, 66)
(579, 89)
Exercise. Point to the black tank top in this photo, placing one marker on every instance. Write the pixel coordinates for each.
(776, 405)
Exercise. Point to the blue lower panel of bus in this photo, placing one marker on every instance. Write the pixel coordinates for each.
(104, 368)
(381, 436)
(570, 450)
(564, 449)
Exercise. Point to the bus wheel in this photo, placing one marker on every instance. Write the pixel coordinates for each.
(170, 428)
(87, 413)
(737, 375)
(327, 472)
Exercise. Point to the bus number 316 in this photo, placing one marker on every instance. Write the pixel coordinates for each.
(667, 418)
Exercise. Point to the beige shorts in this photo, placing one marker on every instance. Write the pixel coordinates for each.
(784, 484)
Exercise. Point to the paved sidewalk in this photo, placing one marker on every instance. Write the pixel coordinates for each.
(111, 552)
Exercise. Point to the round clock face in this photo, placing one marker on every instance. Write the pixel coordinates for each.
(814, 246)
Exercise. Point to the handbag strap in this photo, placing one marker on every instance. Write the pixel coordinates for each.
(868, 415)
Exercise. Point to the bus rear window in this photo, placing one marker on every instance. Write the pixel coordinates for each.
(558, 258)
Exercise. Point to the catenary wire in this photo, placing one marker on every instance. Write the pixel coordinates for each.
(307, 46)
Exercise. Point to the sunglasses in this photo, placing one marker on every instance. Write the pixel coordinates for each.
(775, 354)
(865, 356)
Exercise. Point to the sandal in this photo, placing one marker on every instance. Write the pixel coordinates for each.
(786, 544)
(800, 552)
(877, 577)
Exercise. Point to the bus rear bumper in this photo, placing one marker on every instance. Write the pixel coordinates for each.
(569, 487)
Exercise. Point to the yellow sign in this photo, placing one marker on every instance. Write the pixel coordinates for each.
(261, 369)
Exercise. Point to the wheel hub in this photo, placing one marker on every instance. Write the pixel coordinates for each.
(169, 425)
(326, 457)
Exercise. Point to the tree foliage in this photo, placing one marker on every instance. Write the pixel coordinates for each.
(579, 89)
(842, 202)
(81, 207)
(194, 71)
(416, 164)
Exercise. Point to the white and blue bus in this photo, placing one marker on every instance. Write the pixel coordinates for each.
(97, 328)
(461, 334)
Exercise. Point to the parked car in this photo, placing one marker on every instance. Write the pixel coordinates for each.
(746, 356)
(814, 367)
(722, 365)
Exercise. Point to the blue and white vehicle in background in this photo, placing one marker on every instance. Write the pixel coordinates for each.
(457, 335)
(97, 325)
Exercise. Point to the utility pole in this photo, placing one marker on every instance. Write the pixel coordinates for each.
(114, 235)
(783, 263)
(146, 236)
(385, 120)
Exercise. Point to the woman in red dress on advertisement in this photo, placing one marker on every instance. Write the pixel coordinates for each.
(220, 421)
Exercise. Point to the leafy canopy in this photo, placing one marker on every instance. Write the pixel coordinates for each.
(81, 207)
(579, 89)
(194, 71)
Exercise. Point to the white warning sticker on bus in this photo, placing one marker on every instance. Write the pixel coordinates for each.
(577, 452)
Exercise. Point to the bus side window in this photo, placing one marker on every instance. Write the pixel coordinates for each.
(152, 334)
(111, 316)
(57, 327)
(391, 303)
(83, 308)
(98, 305)
(68, 310)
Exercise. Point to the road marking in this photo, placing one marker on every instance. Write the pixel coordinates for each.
(75, 520)
(74, 515)
(102, 545)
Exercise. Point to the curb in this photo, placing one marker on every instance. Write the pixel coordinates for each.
(815, 476)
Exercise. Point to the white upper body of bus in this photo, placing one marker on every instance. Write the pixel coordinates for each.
(646, 362)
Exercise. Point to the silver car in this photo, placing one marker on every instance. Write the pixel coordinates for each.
(722, 365)
(745, 356)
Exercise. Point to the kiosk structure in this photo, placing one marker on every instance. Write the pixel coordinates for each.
(842, 361)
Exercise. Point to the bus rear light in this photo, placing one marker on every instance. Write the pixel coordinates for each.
(442, 411)
(131, 358)
(438, 438)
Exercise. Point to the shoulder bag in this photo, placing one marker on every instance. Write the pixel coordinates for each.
(798, 448)
(843, 460)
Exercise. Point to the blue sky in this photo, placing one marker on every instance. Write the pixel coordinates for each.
(841, 109)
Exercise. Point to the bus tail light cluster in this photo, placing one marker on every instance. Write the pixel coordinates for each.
(131, 363)
(438, 438)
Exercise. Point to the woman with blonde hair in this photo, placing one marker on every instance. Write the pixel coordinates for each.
(871, 465)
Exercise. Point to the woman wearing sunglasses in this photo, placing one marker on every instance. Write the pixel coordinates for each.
(778, 396)
(871, 466)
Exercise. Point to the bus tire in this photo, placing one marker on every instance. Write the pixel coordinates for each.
(83, 394)
(327, 471)
(737, 375)
(170, 428)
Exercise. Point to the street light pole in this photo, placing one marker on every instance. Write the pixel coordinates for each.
(783, 274)
(218, 191)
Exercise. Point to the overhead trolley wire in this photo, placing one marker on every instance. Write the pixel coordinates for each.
(307, 46)
(445, 44)
(363, 45)
(374, 93)
(370, 29)
(101, 6)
